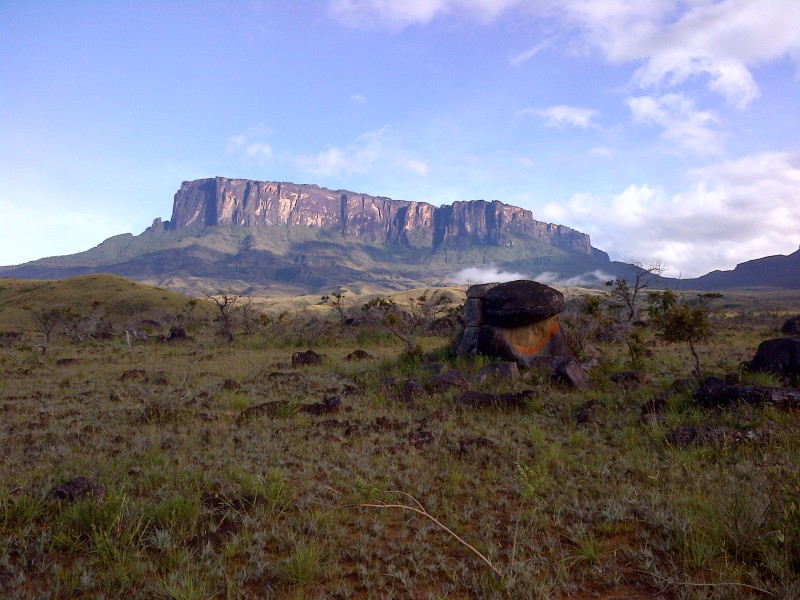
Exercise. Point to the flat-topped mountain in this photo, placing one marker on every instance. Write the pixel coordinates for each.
(274, 238)
(377, 220)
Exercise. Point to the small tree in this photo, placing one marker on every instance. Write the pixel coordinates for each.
(336, 301)
(627, 293)
(224, 302)
(681, 321)
(249, 316)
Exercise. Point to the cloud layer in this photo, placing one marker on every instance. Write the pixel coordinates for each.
(730, 212)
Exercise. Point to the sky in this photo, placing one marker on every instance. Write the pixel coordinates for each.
(667, 130)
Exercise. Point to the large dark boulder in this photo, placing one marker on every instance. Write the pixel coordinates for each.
(792, 326)
(780, 356)
(518, 303)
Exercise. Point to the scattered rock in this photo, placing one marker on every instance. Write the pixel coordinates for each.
(467, 443)
(419, 437)
(328, 406)
(451, 378)
(628, 377)
(701, 435)
(717, 435)
(780, 356)
(654, 410)
(78, 489)
(133, 375)
(410, 390)
(230, 385)
(387, 424)
(484, 400)
(359, 355)
(176, 334)
(717, 392)
(503, 370)
(159, 378)
(585, 413)
(278, 376)
(792, 326)
(305, 359)
(269, 409)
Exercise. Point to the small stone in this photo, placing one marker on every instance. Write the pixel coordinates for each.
(78, 489)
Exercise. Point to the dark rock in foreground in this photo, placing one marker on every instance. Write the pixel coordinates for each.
(780, 356)
(518, 321)
(791, 326)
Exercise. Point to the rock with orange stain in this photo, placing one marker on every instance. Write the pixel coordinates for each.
(518, 321)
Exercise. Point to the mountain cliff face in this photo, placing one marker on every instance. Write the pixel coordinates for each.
(241, 202)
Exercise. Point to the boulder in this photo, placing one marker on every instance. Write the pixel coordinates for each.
(780, 356)
(307, 358)
(329, 405)
(542, 338)
(518, 321)
(566, 370)
(175, 334)
(358, 355)
(792, 326)
(523, 302)
(504, 370)
(716, 393)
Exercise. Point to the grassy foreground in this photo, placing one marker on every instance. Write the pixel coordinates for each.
(401, 493)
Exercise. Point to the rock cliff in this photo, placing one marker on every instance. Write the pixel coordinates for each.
(246, 203)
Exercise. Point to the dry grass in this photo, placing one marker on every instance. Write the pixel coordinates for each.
(199, 506)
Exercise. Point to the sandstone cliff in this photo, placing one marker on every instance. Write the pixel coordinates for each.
(222, 201)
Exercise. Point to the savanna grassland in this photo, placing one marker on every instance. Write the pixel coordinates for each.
(221, 470)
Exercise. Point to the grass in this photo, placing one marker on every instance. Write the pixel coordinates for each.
(526, 502)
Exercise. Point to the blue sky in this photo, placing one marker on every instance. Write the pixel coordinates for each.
(664, 129)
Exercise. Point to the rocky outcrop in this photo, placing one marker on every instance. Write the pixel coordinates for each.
(780, 356)
(242, 202)
(518, 321)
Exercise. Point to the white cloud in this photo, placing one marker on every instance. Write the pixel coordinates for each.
(718, 41)
(684, 126)
(528, 54)
(601, 152)
(251, 144)
(476, 275)
(370, 151)
(589, 278)
(562, 116)
(359, 99)
(396, 14)
(729, 212)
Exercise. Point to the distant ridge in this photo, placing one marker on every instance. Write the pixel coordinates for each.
(779, 271)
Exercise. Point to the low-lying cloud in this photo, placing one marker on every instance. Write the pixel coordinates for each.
(475, 275)
(591, 278)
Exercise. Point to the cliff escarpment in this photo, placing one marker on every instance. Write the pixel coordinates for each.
(247, 203)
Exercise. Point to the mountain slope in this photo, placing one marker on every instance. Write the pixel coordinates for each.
(771, 271)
